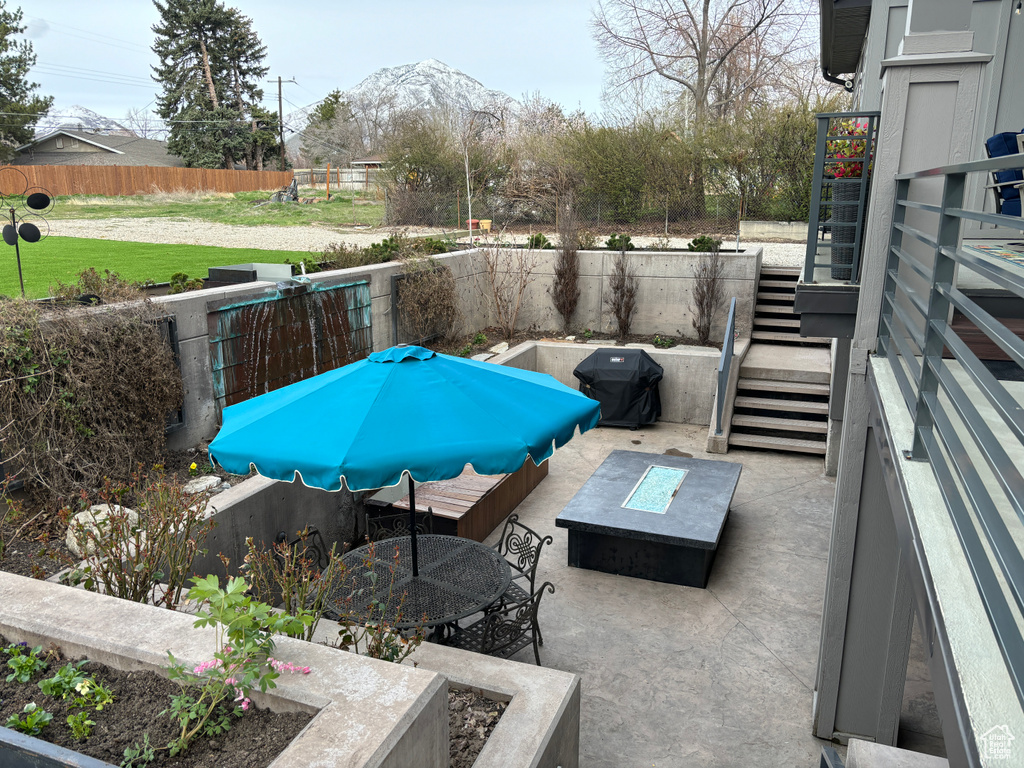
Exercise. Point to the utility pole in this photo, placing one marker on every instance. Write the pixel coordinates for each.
(280, 120)
(280, 116)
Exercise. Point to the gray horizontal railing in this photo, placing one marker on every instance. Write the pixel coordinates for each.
(968, 424)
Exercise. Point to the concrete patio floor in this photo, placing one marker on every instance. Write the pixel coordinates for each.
(676, 676)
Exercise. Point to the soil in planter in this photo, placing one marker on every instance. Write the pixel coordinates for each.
(254, 740)
(471, 718)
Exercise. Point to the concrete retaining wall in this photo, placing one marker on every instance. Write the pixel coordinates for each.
(260, 508)
(788, 231)
(687, 391)
(665, 298)
(664, 305)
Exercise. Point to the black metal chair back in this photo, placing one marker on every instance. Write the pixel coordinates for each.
(521, 547)
(504, 631)
(392, 524)
(308, 546)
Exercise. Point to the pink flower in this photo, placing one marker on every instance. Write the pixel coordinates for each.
(201, 668)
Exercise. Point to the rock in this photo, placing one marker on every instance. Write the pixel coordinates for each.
(92, 519)
(570, 338)
(201, 483)
(499, 348)
(482, 356)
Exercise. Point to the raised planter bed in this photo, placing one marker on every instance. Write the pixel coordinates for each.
(473, 505)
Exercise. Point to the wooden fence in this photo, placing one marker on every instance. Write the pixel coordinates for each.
(140, 179)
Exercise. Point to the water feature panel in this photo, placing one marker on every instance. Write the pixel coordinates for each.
(655, 489)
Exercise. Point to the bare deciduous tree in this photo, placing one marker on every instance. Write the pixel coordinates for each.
(510, 272)
(145, 124)
(697, 45)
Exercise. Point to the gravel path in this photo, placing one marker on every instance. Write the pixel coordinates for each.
(195, 232)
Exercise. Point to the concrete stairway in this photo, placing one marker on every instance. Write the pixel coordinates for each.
(774, 319)
(782, 399)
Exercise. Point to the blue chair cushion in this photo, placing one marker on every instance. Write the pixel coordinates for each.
(1011, 207)
(1001, 145)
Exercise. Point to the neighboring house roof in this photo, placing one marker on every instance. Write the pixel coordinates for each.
(114, 150)
(844, 23)
(371, 160)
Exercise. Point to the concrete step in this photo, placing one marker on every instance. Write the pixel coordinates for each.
(779, 309)
(777, 322)
(794, 387)
(777, 443)
(787, 363)
(774, 271)
(774, 296)
(772, 404)
(768, 336)
(774, 422)
(762, 283)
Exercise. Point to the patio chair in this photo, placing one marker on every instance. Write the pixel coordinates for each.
(505, 631)
(521, 547)
(312, 547)
(1005, 184)
(396, 523)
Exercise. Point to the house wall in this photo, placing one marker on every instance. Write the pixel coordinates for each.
(936, 96)
(71, 144)
(995, 31)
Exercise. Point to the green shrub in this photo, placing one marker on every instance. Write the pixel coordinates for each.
(180, 282)
(539, 241)
(619, 243)
(704, 244)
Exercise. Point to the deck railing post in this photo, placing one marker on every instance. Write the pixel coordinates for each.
(943, 270)
(814, 215)
(892, 264)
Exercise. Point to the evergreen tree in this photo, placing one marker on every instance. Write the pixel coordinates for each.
(211, 65)
(22, 109)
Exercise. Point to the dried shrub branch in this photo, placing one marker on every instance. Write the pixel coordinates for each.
(708, 293)
(510, 272)
(128, 556)
(84, 394)
(108, 288)
(623, 286)
(565, 288)
(428, 299)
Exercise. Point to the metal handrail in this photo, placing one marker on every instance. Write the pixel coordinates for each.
(724, 365)
(823, 195)
(967, 424)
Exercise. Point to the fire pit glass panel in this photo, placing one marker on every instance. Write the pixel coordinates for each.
(655, 489)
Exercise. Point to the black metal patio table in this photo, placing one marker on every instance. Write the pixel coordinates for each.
(457, 578)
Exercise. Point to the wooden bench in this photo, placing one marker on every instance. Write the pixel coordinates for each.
(473, 505)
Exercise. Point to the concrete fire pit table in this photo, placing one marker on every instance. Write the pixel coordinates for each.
(651, 516)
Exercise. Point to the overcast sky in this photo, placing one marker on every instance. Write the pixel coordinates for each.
(97, 54)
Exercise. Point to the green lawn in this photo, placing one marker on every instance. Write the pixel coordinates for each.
(63, 258)
(239, 208)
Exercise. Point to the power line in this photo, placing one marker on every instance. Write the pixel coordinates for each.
(118, 75)
(97, 79)
(92, 37)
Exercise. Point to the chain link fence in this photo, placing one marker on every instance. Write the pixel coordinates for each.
(600, 216)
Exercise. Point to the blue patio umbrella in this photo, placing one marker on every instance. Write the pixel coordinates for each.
(404, 410)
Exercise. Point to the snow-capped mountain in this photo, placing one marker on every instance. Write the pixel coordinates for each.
(78, 118)
(429, 84)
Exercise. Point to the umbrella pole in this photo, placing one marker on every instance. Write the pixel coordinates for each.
(412, 526)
